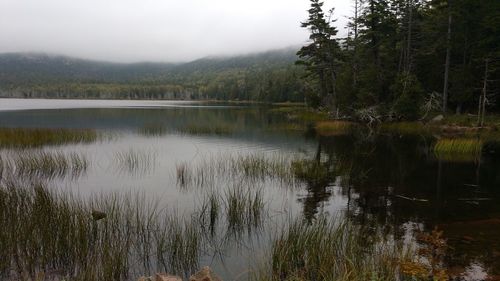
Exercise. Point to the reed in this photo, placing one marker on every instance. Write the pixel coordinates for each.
(56, 235)
(135, 162)
(408, 128)
(458, 149)
(236, 168)
(334, 127)
(153, 130)
(329, 250)
(42, 164)
(219, 130)
(244, 208)
(24, 138)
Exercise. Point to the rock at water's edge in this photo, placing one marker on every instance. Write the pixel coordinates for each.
(205, 274)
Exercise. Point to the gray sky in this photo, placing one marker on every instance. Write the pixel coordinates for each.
(154, 30)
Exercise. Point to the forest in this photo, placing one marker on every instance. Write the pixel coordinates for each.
(403, 58)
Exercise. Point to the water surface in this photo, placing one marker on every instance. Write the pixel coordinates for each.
(385, 181)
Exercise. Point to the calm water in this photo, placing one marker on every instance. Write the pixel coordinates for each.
(371, 177)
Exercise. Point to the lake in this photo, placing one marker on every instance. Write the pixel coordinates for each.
(176, 156)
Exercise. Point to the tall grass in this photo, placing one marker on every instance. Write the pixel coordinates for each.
(219, 130)
(408, 128)
(334, 127)
(153, 130)
(43, 164)
(56, 235)
(243, 207)
(329, 250)
(24, 138)
(458, 149)
(236, 168)
(135, 162)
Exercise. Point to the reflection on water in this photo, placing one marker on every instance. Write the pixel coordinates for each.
(190, 158)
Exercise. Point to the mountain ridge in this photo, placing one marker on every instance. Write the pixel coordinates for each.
(36, 68)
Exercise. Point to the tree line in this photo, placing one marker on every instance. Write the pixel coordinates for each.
(269, 77)
(403, 58)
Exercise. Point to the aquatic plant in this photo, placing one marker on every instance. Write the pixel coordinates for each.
(24, 138)
(43, 164)
(219, 129)
(243, 207)
(329, 250)
(153, 130)
(56, 235)
(458, 149)
(314, 172)
(334, 127)
(408, 128)
(250, 167)
(135, 162)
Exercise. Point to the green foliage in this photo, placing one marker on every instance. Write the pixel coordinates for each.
(320, 56)
(408, 97)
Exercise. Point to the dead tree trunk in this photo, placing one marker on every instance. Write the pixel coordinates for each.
(447, 62)
(482, 100)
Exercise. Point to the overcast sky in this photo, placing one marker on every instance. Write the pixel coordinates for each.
(155, 30)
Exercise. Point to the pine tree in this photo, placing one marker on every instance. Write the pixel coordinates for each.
(320, 57)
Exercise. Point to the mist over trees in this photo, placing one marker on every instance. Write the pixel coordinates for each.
(401, 59)
(269, 76)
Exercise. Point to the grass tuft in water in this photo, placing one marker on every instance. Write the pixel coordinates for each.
(326, 250)
(251, 168)
(334, 127)
(153, 130)
(458, 149)
(43, 164)
(25, 138)
(243, 207)
(135, 161)
(55, 235)
(219, 130)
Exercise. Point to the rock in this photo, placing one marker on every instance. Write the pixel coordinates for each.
(205, 274)
(97, 215)
(438, 118)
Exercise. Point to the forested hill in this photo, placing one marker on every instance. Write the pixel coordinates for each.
(269, 76)
(35, 68)
(29, 68)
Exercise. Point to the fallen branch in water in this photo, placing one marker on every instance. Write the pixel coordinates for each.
(412, 199)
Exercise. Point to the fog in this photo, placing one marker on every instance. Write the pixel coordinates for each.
(155, 30)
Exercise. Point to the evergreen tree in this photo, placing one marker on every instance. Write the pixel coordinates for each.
(320, 57)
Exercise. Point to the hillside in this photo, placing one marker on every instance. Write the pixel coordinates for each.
(22, 69)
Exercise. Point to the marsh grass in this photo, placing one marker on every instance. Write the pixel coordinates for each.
(54, 235)
(313, 172)
(219, 130)
(25, 138)
(408, 128)
(135, 162)
(153, 130)
(42, 164)
(244, 208)
(334, 127)
(329, 250)
(458, 149)
(300, 113)
(236, 168)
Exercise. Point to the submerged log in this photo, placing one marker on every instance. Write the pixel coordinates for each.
(412, 199)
